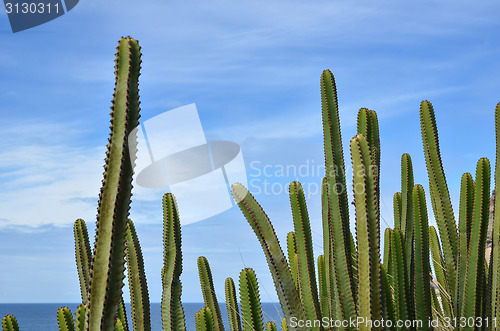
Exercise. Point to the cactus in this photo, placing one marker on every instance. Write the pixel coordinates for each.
(65, 319)
(106, 274)
(204, 320)
(172, 313)
(232, 306)
(9, 323)
(80, 318)
(251, 310)
(139, 296)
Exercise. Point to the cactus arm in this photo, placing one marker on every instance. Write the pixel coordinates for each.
(323, 285)
(139, 297)
(368, 127)
(399, 281)
(9, 323)
(471, 306)
(251, 310)
(495, 253)
(440, 196)
(172, 313)
(270, 326)
(122, 315)
(83, 256)
(306, 266)
(467, 189)
(330, 275)
(204, 320)
(232, 305)
(80, 317)
(338, 203)
(107, 272)
(397, 205)
(387, 248)
(293, 257)
(209, 295)
(280, 271)
(65, 319)
(422, 294)
(367, 231)
(119, 325)
(284, 326)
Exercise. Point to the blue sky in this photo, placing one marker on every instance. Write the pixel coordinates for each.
(253, 70)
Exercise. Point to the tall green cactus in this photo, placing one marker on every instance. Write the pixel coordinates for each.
(83, 256)
(232, 305)
(337, 198)
(139, 296)
(172, 313)
(367, 231)
(251, 310)
(106, 275)
(495, 254)
(303, 236)
(440, 195)
(208, 290)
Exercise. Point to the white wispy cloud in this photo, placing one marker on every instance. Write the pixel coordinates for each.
(45, 179)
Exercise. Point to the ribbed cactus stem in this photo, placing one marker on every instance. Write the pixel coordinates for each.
(208, 290)
(80, 317)
(122, 315)
(172, 313)
(83, 256)
(107, 273)
(331, 289)
(119, 325)
(284, 326)
(338, 203)
(204, 320)
(139, 297)
(422, 292)
(307, 275)
(251, 310)
(367, 232)
(9, 323)
(65, 319)
(270, 326)
(440, 196)
(399, 279)
(232, 305)
(291, 244)
(495, 256)
(475, 283)
(467, 189)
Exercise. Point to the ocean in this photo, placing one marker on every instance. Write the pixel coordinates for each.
(43, 316)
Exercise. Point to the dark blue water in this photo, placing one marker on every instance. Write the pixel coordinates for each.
(43, 316)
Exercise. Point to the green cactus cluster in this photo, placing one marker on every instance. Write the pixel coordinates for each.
(353, 285)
